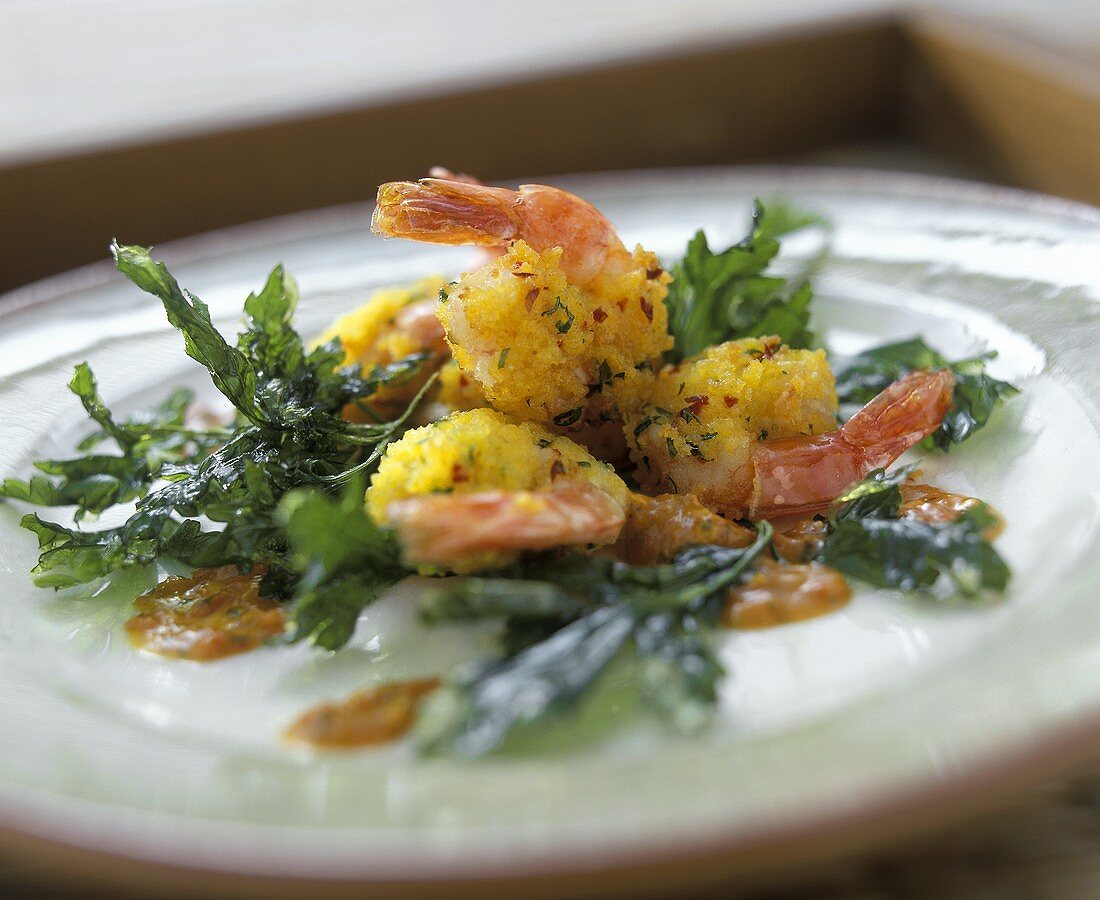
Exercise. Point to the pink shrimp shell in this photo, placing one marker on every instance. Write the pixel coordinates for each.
(798, 475)
(443, 211)
(442, 529)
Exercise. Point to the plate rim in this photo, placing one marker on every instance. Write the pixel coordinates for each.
(888, 816)
(316, 222)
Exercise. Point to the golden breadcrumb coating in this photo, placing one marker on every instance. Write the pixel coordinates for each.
(541, 348)
(716, 405)
(481, 450)
(370, 334)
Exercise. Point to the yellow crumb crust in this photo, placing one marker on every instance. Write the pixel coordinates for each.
(481, 450)
(368, 333)
(714, 406)
(545, 350)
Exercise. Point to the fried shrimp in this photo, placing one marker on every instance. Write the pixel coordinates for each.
(459, 210)
(393, 324)
(749, 427)
(556, 327)
(471, 490)
(799, 474)
(693, 417)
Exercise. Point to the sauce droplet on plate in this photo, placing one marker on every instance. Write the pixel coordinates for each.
(371, 716)
(778, 594)
(211, 614)
(934, 506)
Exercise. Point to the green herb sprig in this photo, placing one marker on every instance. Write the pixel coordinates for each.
(717, 297)
(867, 540)
(976, 395)
(566, 619)
(209, 497)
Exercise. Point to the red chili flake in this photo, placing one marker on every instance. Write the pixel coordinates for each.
(556, 469)
(532, 296)
(598, 314)
(769, 348)
(696, 402)
(730, 401)
(463, 381)
(647, 308)
(622, 304)
(654, 273)
(458, 474)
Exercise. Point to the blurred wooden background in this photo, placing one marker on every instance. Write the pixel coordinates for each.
(732, 85)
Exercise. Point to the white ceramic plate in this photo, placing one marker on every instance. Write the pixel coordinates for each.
(888, 706)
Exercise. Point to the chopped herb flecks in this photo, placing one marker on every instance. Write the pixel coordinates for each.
(567, 418)
(562, 325)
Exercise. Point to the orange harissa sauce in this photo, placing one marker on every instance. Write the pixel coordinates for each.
(792, 591)
(929, 504)
(373, 716)
(785, 592)
(212, 614)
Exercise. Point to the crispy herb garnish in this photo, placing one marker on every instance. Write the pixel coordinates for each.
(868, 541)
(344, 560)
(565, 621)
(716, 297)
(976, 393)
(288, 433)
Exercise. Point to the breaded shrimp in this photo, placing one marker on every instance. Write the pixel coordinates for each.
(443, 211)
(749, 427)
(558, 325)
(471, 490)
(800, 474)
(454, 391)
(714, 407)
(393, 324)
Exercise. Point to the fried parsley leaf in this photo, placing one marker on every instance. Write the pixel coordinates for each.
(97, 481)
(567, 619)
(718, 296)
(976, 393)
(229, 369)
(289, 433)
(677, 671)
(472, 718)
(345, 561)
(951, 559)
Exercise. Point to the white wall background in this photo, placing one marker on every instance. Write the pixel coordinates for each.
(82, 73)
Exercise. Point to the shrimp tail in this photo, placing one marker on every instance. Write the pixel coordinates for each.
(460, 210)
(442, 529)
(798, 475)
(445, 211)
